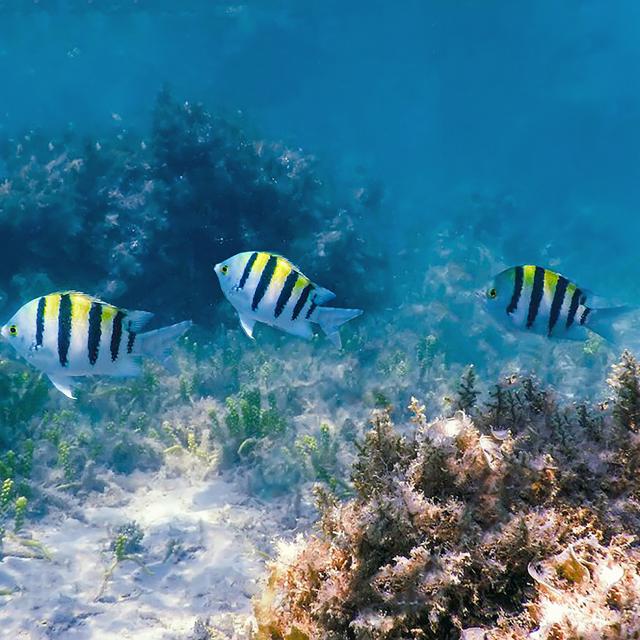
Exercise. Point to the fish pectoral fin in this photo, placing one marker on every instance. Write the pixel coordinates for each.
(62, 384)
(247, 325)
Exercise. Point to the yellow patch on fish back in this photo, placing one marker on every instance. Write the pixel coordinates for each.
(108, 314)
(282, 270)
(301, 282)
(52, 306)
(260, 262)
(529, 273)
(550, 281)
(80, 307)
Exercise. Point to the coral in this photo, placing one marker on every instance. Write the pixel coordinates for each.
(519, 523)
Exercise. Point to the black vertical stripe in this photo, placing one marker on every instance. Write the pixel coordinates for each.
(585, 315)
(558, 299)
(536, 296)
(64, 329)
(573, 307)
(517, 290)
(95, 331)
(263, 283)
(312, 308)
(42, 303)
(131, 341)
(247, 270)
(302, 300)
(116, 335)
(286, 292)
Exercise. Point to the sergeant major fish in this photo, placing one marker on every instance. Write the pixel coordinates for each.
(544, 302)
(71, 334)
(265, 287)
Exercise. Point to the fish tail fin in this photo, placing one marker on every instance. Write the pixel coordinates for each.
(604, 322)
(157, 344)
(331, 319)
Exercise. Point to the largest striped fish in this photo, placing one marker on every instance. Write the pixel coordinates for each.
(542, 301)
(265, 287)
(71, 334)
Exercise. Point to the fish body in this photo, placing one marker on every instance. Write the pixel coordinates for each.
(537, 300)
(71, 334)
(266, 287)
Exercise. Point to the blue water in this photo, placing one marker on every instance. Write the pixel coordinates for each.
(401, 153)
(518, 123)
(436, 99)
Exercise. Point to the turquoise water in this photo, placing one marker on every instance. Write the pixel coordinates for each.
(401, 154)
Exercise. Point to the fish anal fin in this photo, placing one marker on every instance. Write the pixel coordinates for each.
(331, 319)
(302, 329)
(128, 367)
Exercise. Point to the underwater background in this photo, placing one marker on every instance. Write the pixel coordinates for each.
(401, 154)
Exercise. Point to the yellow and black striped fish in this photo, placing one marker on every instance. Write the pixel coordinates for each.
(542, 301)
(265, 287)
(70, 334)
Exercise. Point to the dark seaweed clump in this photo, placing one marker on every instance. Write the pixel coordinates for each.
(142, 216)
(518, 522)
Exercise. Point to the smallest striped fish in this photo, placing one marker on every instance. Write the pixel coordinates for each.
(541, 301)
(71, 334)
(265, 287)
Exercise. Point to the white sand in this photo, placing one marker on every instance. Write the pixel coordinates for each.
(222, 535)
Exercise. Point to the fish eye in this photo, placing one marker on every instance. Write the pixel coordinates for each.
(13, 330)
(224, 269)
(492, 293)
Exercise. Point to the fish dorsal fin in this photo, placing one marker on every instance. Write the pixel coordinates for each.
(323, 295)
(295, 267)
(88, 297)
(136, 320)
(69, 292)
(63, 384)
(594, 301)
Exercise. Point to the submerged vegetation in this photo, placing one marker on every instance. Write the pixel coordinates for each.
(513, 517)
(518, 523)
(131, 207)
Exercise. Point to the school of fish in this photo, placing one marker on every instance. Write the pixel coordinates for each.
(69, 334)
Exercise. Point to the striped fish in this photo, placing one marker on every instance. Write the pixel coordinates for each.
(265, 287)
(71, 334)
(544, 302)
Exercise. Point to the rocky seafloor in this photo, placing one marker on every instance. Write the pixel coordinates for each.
(263, 491)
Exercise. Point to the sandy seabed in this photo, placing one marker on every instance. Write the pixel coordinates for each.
(205, 542)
